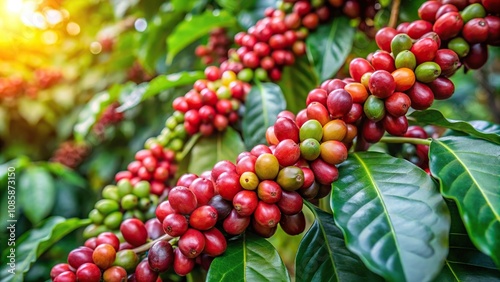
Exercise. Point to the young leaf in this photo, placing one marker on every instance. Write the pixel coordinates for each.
(35, 242)
(263, 104)
(482, 129)
(249, 258)
(322, 254)
(469, 173)
(192, 29)
(296, 82)
(36, 193)
(209, 150)
(392, 216)
(329, 45)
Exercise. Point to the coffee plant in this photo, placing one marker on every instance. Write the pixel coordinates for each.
(322, 140)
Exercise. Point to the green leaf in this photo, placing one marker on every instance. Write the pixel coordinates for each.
(234, 6)
(35, 242)
(208, 151)
(481, 129)
(329, 45)
(68, 175)
(89, 114)
(469, 173)
(165, 82)
(392, 216)
(36, 193)
(323, 256)
(192, 29)
(263, 104)
(464, 261)
(249, 258)
(296, 82)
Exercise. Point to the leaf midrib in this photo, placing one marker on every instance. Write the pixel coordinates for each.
(365, 167)
(497, 216)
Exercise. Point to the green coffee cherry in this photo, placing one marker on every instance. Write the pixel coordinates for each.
(113, 220)
(129, 202)
(142, 189)
(124, 187)
(106, 206)
(96, 216)
(111, 192)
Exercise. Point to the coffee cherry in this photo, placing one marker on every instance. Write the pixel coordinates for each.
(293, 224)
(222, 206)
(80, 256)
(374, 108)
(191, 243)
(154, 228)
(212, 73)
(285, 128)
(245, 202)
(318, 112)
(144, 273)
(220, 167)
(448, 25)
(182, 264)
(287, 152)
(400, 43)
(382, 84)
(397, 104)
(477, 56)
(58, 269)
(269, 192)
(108, 238)
(203, 189)
(246, 164)
(235, 224)
(267, 166)
(406, 59)
(339, 103)
(203, 218)
(267, 214)
(164, 209)
(263, 231)
(424, 50)
(418, 28)
(358, 67)
(228, 184)
(395, 125)
(134, 232)
(333, 152)
(290, 202)
(160, 256)
(448, 61)
(442, 88)
(372, 131)
(384, 37)
(324, 172)
(115, 274)
(428, 10)
(427, 72)
(126, 259)
(182, 200)
(88, 272)
(215, 242)
(382, 60)
(175, 224)
(104, 255)
(66, 276)
(421, 96)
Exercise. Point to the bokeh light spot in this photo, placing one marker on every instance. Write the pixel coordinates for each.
(95, 47)
(49, 37)
(140, 25)
(73, 28)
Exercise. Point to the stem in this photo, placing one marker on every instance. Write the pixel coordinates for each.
(416, 141)
(146, 246)
(394, 13)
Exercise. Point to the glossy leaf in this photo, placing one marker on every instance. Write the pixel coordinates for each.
(392, 216)
(36, 193)
(296, 82)
(68, 175)
(329, 45)
(481, 129)
(195, 27)
(263, 104)
(464, 261)
(323, 256)
(234, 6)
(31, 245)
(248, 258)
(469, 173)
(209, 150)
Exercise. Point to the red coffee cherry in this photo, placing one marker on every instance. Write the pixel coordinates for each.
(267, 214)
(235, 224)
(144, 273)
(80, 256)
(245, 202)
(476, 31)
(449, 25)
(88, 272)
(182, 264)
(104, 255)
(290, 202)
(293, 224)
(191, 243)
(182, 200)
(384, 37)
(203, 218)
(160, 256)
(175, 224)
(134, 231)
(215, 242)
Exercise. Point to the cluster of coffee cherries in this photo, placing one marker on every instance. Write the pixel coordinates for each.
(120, 202)
(109, 117)
(216, 49)
(14, 86)
(466, 27)
(107, 258)
(46, 78)
(212, 104)
(11, 87)
(191, 214)
(364, 10)
(275, 41)
(70, 153)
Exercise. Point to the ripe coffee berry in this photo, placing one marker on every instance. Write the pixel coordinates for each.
(104, 255)
(203, 218)
(175, 224)
(134, 231)
(88, 272)
(182, 200)
(191, 243)
(160, 256)
(267, 214)
(245, 202)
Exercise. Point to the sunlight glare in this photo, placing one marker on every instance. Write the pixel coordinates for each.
(14, 6)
